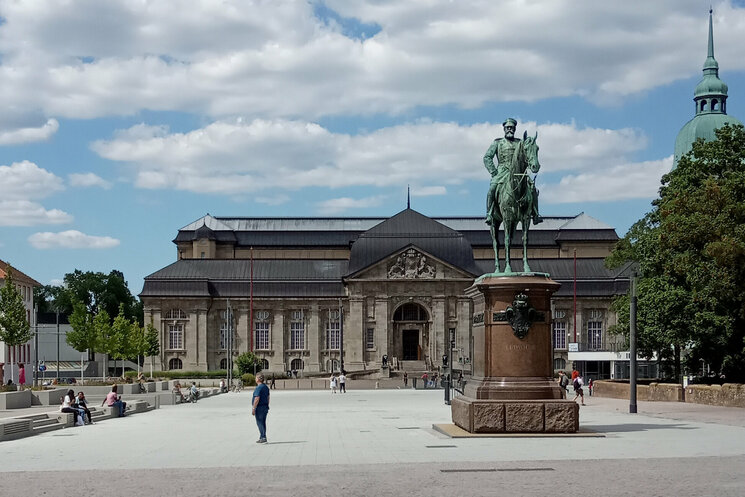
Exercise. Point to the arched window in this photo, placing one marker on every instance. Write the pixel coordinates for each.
(176, 314)
(559, 363)
(175, 364)
(332, 365)
(410, 312)
(296, 365)
(715, 104)
(703, 105)
(224, 363)
(264, 364)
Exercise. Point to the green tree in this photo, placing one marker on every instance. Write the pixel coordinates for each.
(102, 327)
(123, 339)
(246, 363)
(691, 252)
(152, 344)
(14, 327)
(95, 290)
(83, 335)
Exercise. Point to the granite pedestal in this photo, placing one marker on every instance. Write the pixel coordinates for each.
(512, 389)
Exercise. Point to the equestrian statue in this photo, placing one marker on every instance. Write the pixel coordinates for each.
(513, 197)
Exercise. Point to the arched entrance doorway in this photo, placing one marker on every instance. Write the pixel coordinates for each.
(410, 326)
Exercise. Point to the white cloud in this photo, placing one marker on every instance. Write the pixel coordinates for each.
(340, 205)
(27, 135)
(83, 59)
(428, 191)
(627, 181)
(26, 180)
(278, 199)
(28, 213)
(21, 183)
(71, 239)
(291, 155)
(88, 180)
(56, 282)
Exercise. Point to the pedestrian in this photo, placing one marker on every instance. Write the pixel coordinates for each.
(460, 380)
(272, 384)
(21, 376)
(332, 383)
(260, 405)
(67, 406)
(425, 379)
(577, 384)
(563, 383)
(589, 387)
(406, 379)
(342, 383)
(81, 403)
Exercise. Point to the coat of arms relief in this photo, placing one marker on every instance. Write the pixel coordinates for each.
(411, 264)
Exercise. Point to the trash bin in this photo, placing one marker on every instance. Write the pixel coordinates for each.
(413, 383)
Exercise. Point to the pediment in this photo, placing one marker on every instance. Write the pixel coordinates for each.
(411, 264)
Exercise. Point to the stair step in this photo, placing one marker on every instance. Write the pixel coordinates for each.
(38, 423)
(43, 429)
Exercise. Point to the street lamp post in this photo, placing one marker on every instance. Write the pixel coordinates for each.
(632, 346)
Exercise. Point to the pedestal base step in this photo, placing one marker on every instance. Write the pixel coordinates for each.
(515, 416)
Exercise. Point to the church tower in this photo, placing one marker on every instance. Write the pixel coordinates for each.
(710, 99)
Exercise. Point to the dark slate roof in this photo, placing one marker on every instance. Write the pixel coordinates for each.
(410, 228)
(341, 232)
(232, 277)
(593, 278)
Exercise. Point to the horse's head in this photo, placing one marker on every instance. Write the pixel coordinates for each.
(531, 151)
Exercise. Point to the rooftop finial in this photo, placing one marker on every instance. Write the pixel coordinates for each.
(711, 34)
(408, 196)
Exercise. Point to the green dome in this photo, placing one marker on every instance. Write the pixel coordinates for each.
(701, 126)
(710, 85)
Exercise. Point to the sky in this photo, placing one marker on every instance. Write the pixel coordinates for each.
(123, 121)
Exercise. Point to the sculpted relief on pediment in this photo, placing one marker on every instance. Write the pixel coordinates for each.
(411, 264)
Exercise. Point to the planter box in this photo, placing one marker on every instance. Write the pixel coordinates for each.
(15, 400)
(48, 397)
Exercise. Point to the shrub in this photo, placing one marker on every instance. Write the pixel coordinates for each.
(248, 380)
(178, 374)
(247, 362)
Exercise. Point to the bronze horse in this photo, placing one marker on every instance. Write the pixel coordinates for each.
(513, 202)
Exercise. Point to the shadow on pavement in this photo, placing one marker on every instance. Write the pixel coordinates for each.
(621, 428)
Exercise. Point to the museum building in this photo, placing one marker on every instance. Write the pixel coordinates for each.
(277, 286)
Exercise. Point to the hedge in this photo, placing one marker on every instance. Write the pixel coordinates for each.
(178, 374)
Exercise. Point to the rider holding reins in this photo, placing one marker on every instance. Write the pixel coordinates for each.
(504, 149)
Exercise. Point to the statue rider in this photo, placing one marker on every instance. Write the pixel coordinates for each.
(503, 149)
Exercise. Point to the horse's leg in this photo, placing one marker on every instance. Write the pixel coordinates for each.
(526, 226)
(495, 245)
(509, 227)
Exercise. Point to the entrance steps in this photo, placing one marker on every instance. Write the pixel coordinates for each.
(412, 366)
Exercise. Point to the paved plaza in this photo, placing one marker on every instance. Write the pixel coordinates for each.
(380, 442)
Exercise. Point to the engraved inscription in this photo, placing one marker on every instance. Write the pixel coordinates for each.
(518, 347)
(478, 318)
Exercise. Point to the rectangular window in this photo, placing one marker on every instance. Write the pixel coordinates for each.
(370, 339)
(176, 336)
(594, 335)
(297, 331)
(333, 331)
(261, 335)
(559, 335)
(225, 327)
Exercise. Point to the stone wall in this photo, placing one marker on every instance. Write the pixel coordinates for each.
(727, 395)
(660, 392)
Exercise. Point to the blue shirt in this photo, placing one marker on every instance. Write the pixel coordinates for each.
(262, 392)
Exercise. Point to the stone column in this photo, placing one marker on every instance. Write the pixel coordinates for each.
(383, 332)
(313, 339)
(277, 335)
(438, 333)
(354, 326)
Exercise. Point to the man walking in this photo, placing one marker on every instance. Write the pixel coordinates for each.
(563, 383)
(261, 406)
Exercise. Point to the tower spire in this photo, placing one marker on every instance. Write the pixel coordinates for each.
(408, 196)
(711, 66)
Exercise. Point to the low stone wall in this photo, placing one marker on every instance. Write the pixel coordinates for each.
(727, 395)
(658, 392)
(15, 400)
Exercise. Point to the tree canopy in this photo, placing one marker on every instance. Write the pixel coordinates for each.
(14, 326)
(95, 290)
(691, 254)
